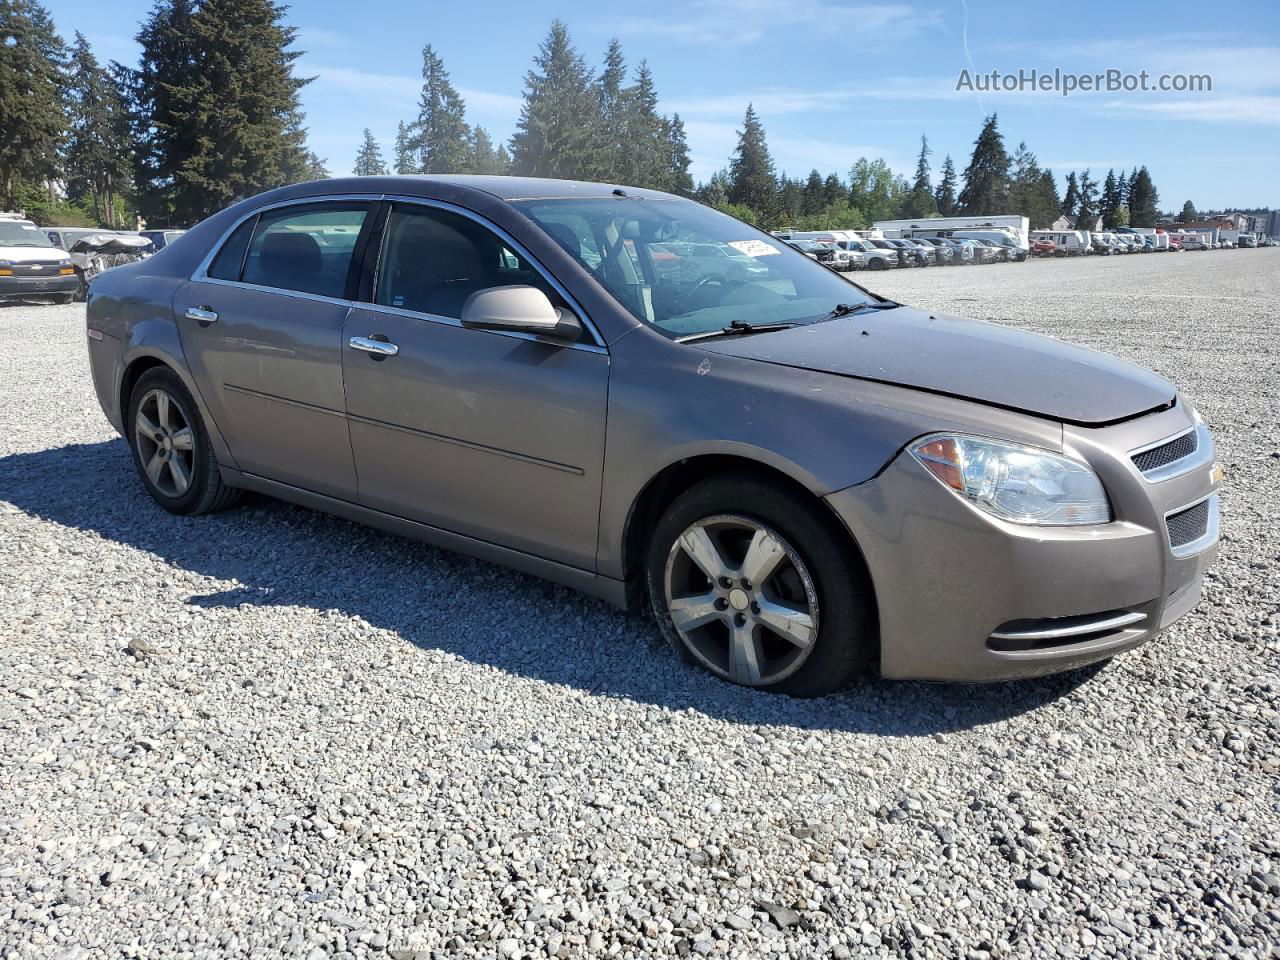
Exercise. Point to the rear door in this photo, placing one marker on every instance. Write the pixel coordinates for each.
(497, 436)
(261, 327)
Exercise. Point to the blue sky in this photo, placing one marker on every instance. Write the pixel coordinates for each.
(832, 80)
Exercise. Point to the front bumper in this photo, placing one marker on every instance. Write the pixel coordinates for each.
(963, 596)
(23, 287)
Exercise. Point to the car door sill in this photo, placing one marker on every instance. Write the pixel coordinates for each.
(605, 588)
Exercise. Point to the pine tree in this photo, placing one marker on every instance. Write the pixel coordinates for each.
(678, 178)
(1032, 191)
(440, 137)
(483, 158)
(1188, 214)
(751, 179)
(1121, 216)
(32, 121)
(98, 152)
(1111, 199)
(1071, 202)
(945, 196)
(215, 107)
(790, 201)
(1048, 207)
(813, 200)
(1087, 208)
(369, 158)
(644, 159)
(919, 201)
(559, 131)
(715, 192)
(986, 179)
(833, 191)
(405, 160)
(613, 96)
(1144, 200)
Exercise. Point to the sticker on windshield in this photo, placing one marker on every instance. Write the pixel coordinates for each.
(754, 248)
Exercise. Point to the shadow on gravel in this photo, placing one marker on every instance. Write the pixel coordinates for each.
(289, 556)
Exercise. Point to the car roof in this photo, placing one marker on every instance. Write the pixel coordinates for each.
(427, 185)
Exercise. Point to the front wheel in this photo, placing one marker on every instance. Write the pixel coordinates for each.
(171, 447)
(751, 582)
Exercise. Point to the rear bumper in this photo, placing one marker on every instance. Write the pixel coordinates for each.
(963, 596)
(23, 287)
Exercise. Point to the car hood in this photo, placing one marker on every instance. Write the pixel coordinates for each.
(970, 359)
(32, 254)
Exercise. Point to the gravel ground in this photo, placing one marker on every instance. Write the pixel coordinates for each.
(273, 733)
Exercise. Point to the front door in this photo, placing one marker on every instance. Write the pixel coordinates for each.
(495, 436)
(262, 331)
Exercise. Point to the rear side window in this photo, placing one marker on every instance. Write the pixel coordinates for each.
(307, 249)
(226, 265)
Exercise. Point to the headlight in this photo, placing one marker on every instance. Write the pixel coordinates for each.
(1015, 483)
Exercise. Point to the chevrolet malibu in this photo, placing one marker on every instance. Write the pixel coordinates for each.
(803, 480)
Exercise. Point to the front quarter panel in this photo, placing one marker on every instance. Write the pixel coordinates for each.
(670, 402)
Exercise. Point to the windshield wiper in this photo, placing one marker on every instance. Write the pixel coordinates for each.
(849, 309)
(736, 327)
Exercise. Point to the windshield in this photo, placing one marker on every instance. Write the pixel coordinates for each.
(687, 269)
(20, 235)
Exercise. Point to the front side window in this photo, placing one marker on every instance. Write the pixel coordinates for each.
(687, 269)
(307, 249)
(432, 260)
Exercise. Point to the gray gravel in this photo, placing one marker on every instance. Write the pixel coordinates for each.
(272, 733)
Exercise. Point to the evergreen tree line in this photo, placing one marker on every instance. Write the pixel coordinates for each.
(993, 183)
(209, 115)
(575, 123)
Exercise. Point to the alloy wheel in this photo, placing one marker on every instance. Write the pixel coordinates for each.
(741, 599)
(166, 444)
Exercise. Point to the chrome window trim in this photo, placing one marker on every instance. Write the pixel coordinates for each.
(1205, 540)
(516, 247)
(1203, 454)
(201, 274)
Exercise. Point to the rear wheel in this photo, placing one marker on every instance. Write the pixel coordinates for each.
(749, 581)
(171, 447)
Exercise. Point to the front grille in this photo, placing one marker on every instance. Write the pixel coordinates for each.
(1166, 453)
(29, 269)
(1188, 525)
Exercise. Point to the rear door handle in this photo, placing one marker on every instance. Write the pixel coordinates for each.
(379, 348)
(202, 315)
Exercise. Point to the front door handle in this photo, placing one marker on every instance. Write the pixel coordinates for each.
(379, 348)
(202, 315)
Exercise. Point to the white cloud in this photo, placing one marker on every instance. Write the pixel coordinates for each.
(738, 22)
(1264, 111)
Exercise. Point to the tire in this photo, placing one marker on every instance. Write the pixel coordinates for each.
(81, 293)
(876, 264)
(815, 579)
(173, 443)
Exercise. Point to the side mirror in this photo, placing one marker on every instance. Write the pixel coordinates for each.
(519, 309)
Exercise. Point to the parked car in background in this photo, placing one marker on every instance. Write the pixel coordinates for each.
(93, 251)
(909, 252)
(800, 479)
(960, 253)
(981, 252)
(161, 238)
(31, 266)
(1046, 248)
